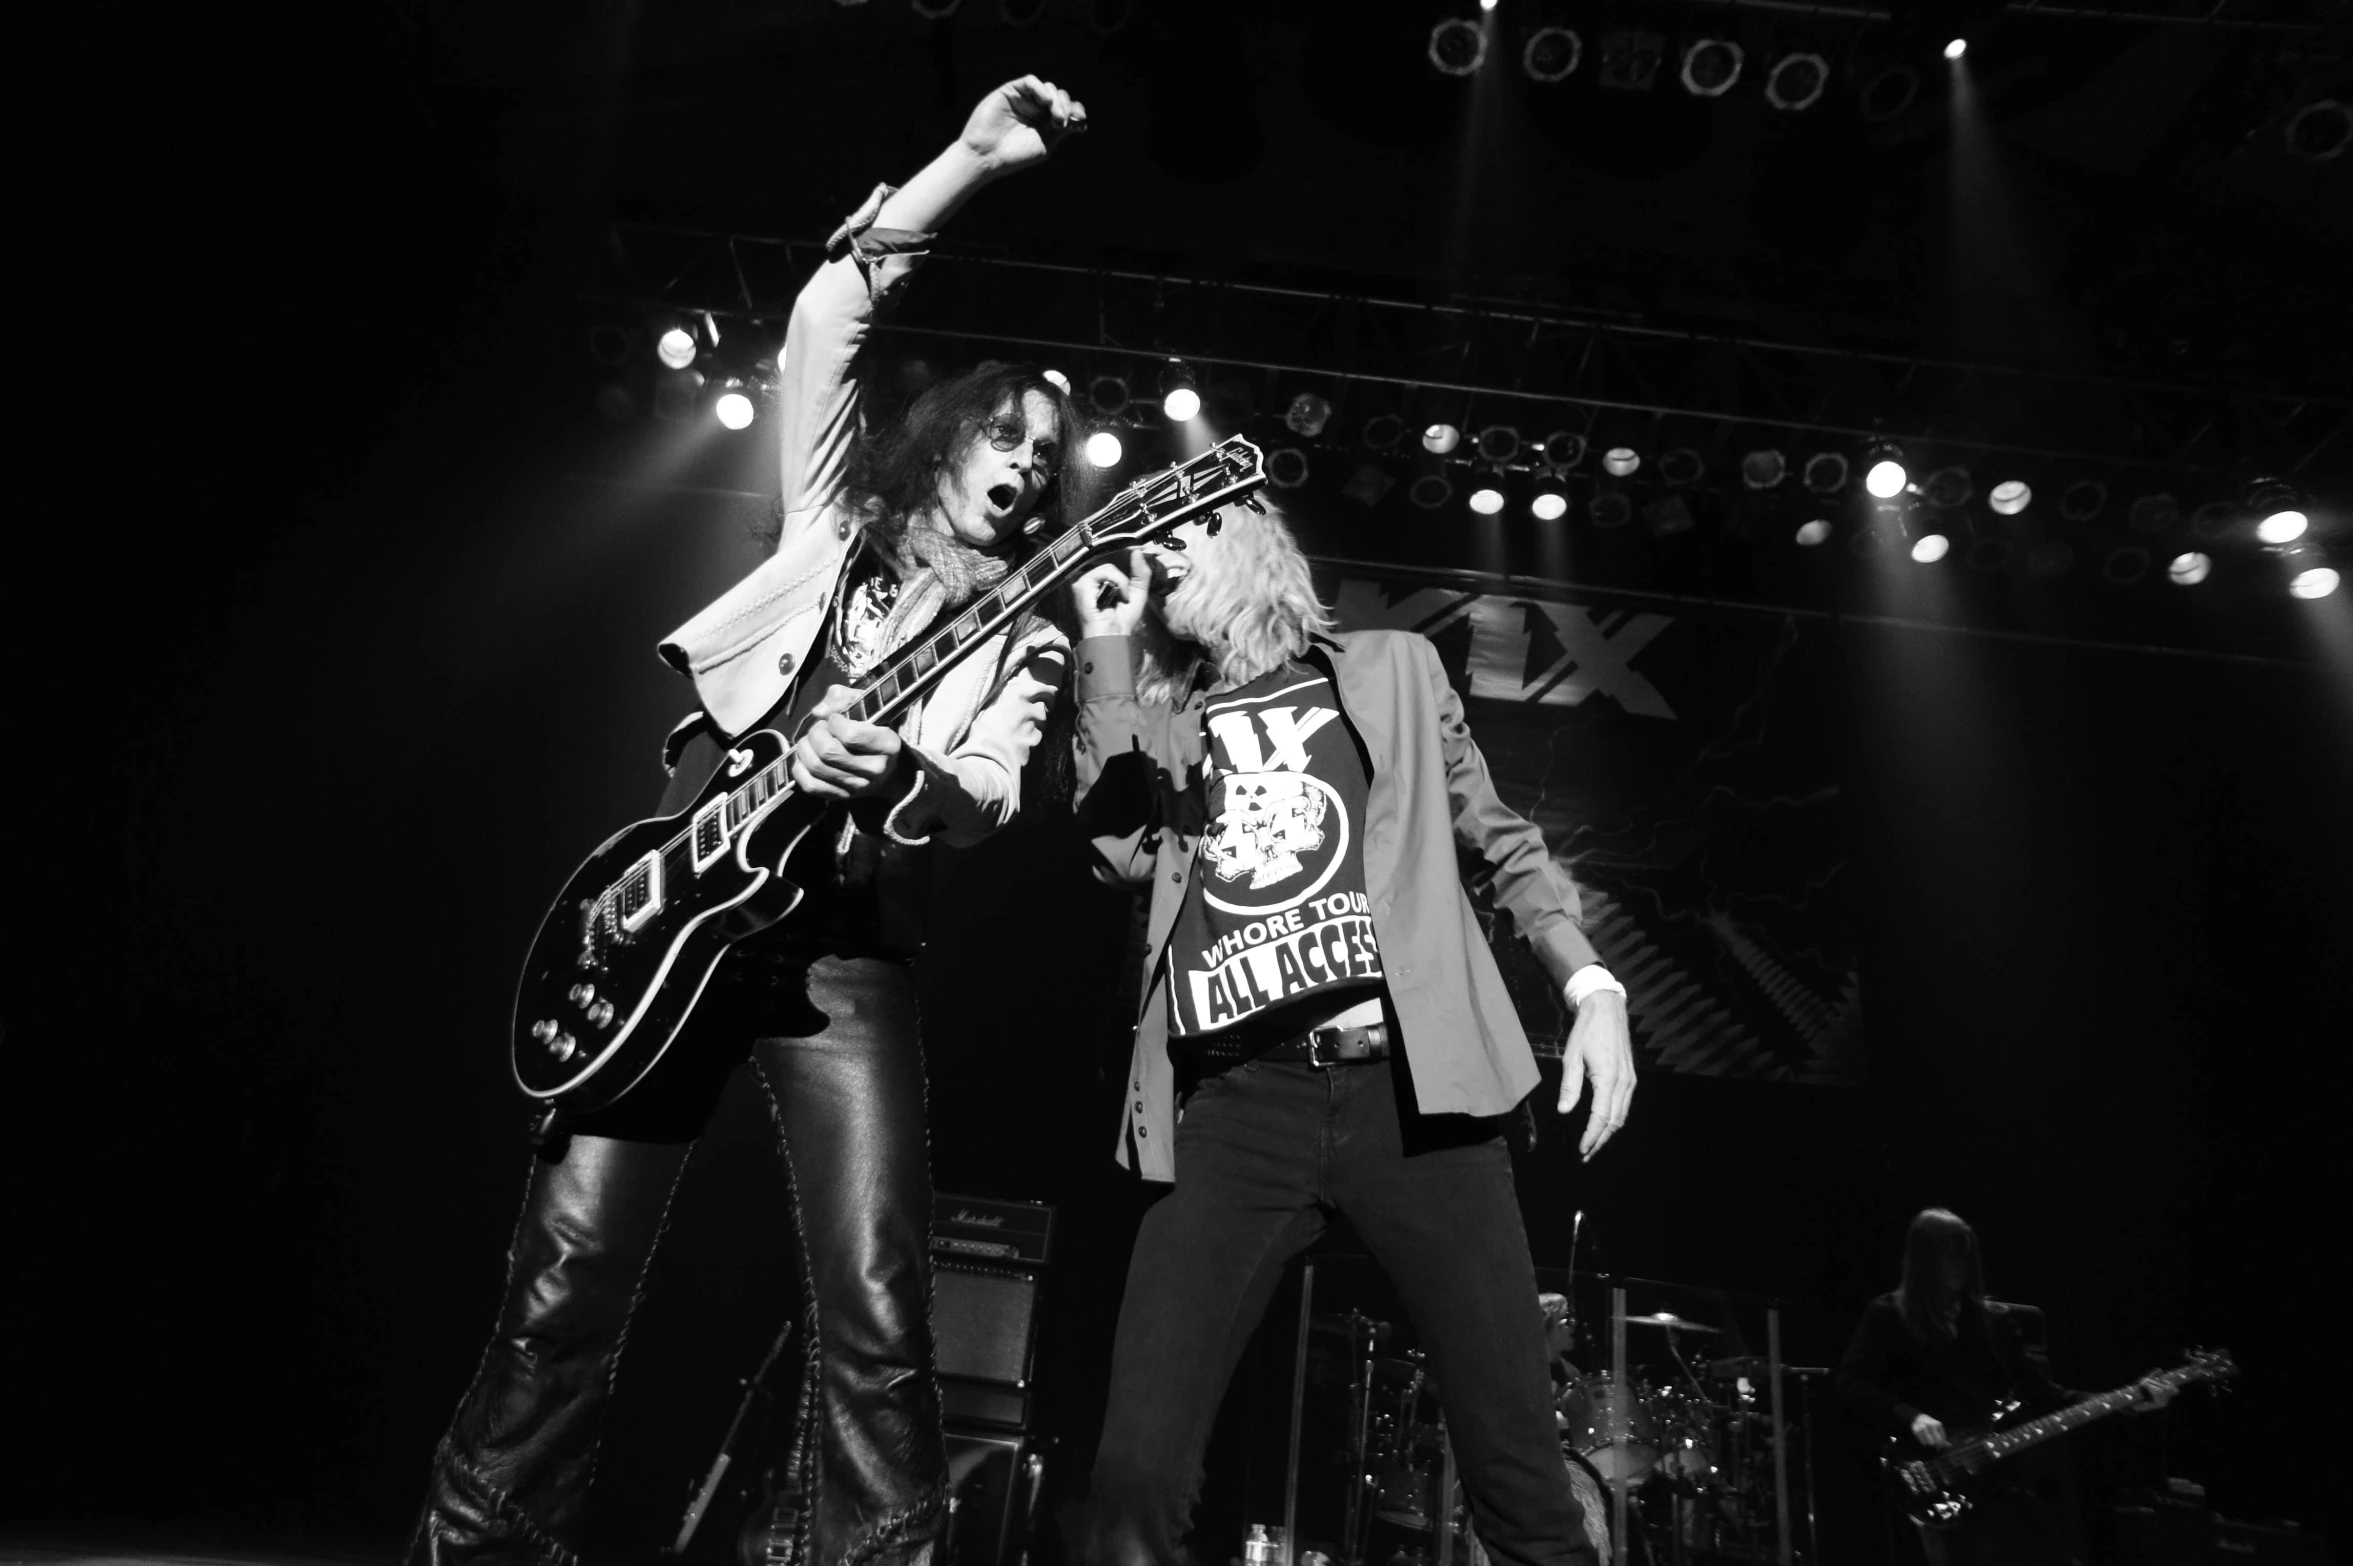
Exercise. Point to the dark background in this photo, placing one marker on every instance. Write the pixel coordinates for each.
(333, 604)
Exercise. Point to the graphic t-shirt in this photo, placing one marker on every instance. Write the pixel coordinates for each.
(1276, 912)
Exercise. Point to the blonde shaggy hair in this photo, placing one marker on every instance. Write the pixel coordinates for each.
(1247, 605)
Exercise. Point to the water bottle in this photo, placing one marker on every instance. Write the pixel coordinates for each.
(1264, 1547)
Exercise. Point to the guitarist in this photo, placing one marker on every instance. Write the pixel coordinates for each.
(879, 533)
(1936, 1358)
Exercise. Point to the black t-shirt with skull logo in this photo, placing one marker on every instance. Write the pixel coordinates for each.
(1276, 910)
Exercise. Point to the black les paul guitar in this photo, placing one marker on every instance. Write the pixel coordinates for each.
(632, 939)
(1933, 1486)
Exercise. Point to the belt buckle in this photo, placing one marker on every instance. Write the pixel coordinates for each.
(1315, 1048)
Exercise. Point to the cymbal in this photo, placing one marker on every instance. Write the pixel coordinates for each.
(1667, 1318)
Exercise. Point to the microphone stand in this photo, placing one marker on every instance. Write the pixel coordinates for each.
(708, 1490)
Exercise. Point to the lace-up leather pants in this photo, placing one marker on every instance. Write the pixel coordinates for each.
(844, 1069)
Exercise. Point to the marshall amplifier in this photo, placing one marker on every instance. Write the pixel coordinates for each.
(986, 1256)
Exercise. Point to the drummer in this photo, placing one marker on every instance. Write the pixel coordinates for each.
(1560, 1336)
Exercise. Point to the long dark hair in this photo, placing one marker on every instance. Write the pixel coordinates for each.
(896, 470)
(1924, 1298)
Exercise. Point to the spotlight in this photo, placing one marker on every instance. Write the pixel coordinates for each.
(1179, 398)
(2153, 514)
(1630, 59)
(1890, 93)
(1108, 394)
(1612, 511)
(1457, 47)
(1103, 449)
(2084, 500)
(935, 10)
(1811, 533)
(735, 410)
(1564, 448)
(1498, 443)
(1021, 13)
(2010, 497)
(1430, 491)
(1059, 381)
(1620, 461)
(2214, 520)
(1867, 540)
(1286, 467)
(1368, 485)
(1550, 505)
(1826, 472)
(1382, 431)
(675, 397)
(1990, 554)
(1711, 66)
(608, 344)
(1947, 488)
(1957, 48)
(676, 347)
(1681, 465)
(1552, 54)
(2051, 557)
(1486, 5)
(2283, 520)
(1797, 81)
(2319, 131)
(1486, 500)
(1886, 478)
(1929, 548)
(1441, 438)
(1308, 414)
(1764, 469)
(615, 403)
(2125, 566)
(783, 356)
(2314, 582)
(2190, 567)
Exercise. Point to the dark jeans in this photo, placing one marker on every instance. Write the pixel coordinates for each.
(1265, 1155)
(838, 1048)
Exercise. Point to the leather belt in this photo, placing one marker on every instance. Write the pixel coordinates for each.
(1317, 1047)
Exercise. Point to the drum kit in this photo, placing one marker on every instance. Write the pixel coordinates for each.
(1692, 1452)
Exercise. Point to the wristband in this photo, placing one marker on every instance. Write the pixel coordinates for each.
(1592, 979)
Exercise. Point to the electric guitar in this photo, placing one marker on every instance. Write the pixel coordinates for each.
(631, 941)
(1932, 1486)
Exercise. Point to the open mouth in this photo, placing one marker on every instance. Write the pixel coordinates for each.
(1004, 497)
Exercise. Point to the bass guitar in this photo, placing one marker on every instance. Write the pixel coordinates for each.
(1933, 1486)
(631, 941)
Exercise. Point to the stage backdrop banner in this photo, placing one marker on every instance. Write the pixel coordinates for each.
(1683, 764)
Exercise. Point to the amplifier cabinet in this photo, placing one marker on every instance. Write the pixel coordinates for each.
(2181, 1535)
(992, 1492)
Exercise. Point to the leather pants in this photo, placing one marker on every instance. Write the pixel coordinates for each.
(844, 1070)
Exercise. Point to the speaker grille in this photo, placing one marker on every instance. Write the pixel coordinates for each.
(981, 1323)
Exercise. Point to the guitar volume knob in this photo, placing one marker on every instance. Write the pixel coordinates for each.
(601, 1014)
(564, 1046)
(543, 1030)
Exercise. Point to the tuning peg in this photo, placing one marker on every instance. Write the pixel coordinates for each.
(1254, 504)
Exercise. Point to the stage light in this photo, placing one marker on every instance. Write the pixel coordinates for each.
(1382, 431)
(1711, 66)
(1630, 59)
(783, 356)
(1307, 415)
(1486, 500)
(1811, 533)
(2050, 558)
(615, 403)
(1486, 5)
(1890, 93)
(1620, 461)
(1825, 472)
(1457, 47)
(676, 348)
(1947, 488)
(1564, 448)
(2319, 131)
(1550, 505)
(1498, 444)
(2083, 500)
(2282, 527)
(1611, 511)
(1765, 469)
(2125, 565)
(2010, 497)
(2190, 567)
(1886, 479)
(2314, 582)
(1181, 404)
(1103, 449)
(1681, 465)
(1551, 54)
(1021, 13)
(1797, 81)
(2153, 513)
(1286, 467)
(2214, 520)
(608, 344)
(1989, 554)
(935, 10)
(1929, 548)
(1108, 394)
(1430, 491)
(734, 409)
(1441, 438)
(1059, 381)
(1957, 48)
(676, 396)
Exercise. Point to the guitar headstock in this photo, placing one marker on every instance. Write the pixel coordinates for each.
(2213, 1365)
(1226, 474)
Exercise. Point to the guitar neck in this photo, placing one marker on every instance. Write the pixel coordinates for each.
(1998, 1444)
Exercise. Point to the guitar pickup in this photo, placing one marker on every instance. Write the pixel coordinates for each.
(708, 835)
(638, 896)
